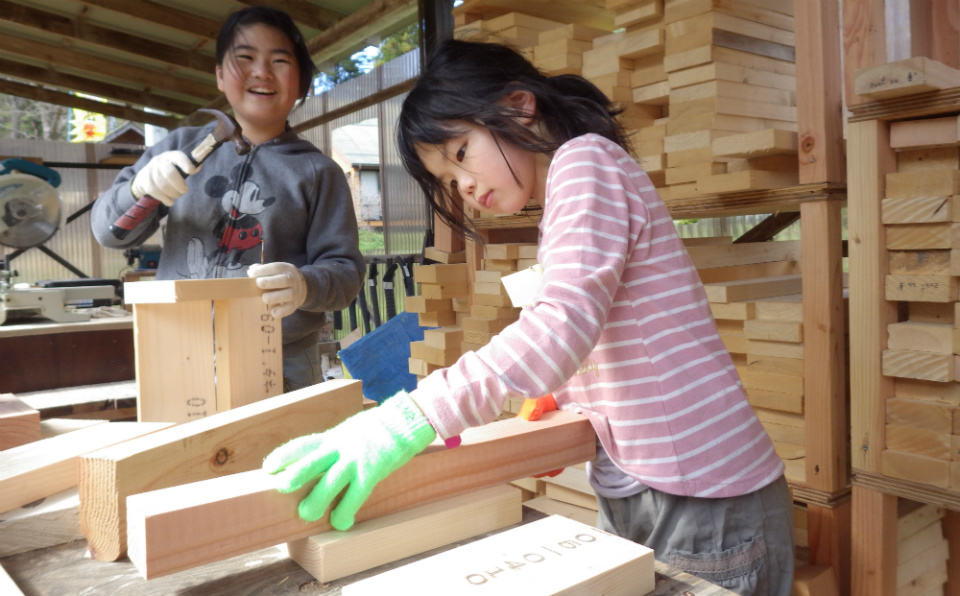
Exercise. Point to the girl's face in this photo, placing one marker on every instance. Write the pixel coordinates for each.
(261, 80)
(476, 165)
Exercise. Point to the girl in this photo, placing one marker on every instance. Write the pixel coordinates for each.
(621, 330)
(284, 203)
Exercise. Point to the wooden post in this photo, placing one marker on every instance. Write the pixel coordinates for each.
(873, 545)
(864, 42)
(869, 147)
(819, 92)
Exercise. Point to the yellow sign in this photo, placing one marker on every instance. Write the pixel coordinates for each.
(87, 127)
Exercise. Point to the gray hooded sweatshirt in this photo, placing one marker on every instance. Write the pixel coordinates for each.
(285, 192)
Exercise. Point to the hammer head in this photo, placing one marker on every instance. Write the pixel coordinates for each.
(228, 129)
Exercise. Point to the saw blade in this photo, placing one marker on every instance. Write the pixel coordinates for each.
(29, 210)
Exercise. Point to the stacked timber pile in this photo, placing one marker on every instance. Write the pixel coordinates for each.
(922, 551)
(920, 214)
(708, 86)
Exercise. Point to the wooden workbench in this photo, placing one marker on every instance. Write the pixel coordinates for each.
(48, 355)
(65, 569)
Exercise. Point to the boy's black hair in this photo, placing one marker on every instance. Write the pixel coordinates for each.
(277, 19)
(463, 81)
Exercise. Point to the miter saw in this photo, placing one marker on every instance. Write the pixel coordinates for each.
(29, 216)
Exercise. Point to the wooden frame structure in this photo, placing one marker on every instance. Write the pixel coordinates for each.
(202, 346)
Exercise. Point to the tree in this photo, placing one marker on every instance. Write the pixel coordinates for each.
(398, 44)
(28, 119)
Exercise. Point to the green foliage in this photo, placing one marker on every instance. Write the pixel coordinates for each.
(398, 44)
(371, 240)
(22, 118)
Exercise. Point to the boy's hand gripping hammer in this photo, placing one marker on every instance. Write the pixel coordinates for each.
(227, 129)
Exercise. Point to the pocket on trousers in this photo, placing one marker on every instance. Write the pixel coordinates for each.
(737, 568)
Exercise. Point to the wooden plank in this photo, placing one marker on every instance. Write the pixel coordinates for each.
(551, 507)
(727, 255)
(925, 183)
(929, 133)
(753, 289)
(920, 288)
(905, 77)
(921, 337)
(386, 539)
(172, 291)
(923, 236)
(580, 559)
(918, 365)
(174, 337)
(239, 513)
(19, 423)
(916, 210)
(747, 180)
(46, 467)
(769, 141)
(52, 521)
(233, 441)
(249, 352)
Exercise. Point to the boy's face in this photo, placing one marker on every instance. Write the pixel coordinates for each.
(473, 164)
(261, 80)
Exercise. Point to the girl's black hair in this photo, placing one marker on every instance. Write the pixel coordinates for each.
(463, 81)
(277, 19)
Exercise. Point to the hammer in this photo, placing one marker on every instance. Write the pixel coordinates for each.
(227, 129)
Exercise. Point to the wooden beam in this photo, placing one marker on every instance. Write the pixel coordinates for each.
(104, 67)
(554, 555)
(352, 32)
(705, 257)
(19, 423)
(46, 467)
(157, 14)
(241, 512)
(52, 521)
(225, 443)
(305, 13)
(864, 42)
(386, 539)
(73, 101)
(874, 558)
(768, 228)
(69, 82)
(82, 30)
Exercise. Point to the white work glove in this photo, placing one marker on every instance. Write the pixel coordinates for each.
(160, 178)
(285, 284)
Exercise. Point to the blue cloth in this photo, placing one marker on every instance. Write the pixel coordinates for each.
(380, 358)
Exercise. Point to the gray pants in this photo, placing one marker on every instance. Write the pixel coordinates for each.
(744, 544)
(302, 369)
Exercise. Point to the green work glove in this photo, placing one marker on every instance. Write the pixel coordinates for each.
(354, 455)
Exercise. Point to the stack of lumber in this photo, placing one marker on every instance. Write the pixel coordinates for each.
(922, 551)
(568, 494)
(708, 86)
(440, 285)
(754, 293)
(921, 218)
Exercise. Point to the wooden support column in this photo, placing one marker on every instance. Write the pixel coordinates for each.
(828, 535)
(864, 42)
(873, 544)
(951, 531)
(870, 313)
(819, 92)
(824, 362)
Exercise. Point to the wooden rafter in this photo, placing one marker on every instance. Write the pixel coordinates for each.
(158, 14)
(135, 74)
(68, 82)
(72, 101)
(81, 30)
(304, 13)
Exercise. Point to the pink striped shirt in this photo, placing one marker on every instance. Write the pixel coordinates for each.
(621, 332)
